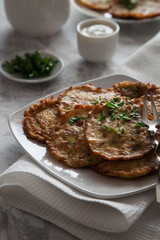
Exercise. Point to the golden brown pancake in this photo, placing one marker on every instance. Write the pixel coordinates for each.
(90, 126)
(117, 132)
(86, 95)
(126, 169)
(119, 9)
(143, 9)
(97, 4)
(40, 118)
(135, 89)
(67, 142)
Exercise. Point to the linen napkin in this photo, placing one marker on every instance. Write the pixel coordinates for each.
(28, 187)
(145, 63)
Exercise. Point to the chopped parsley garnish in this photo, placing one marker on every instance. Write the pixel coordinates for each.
(114, 103)
(31, 66)
(130, 4)
(75, 119)
(110, 104)
(134, 113)
(97, 102)
(116, 112)
(102, 117)
(121, 130)
(140, 124)
(123, 117)
(107, 127)
(128, 98)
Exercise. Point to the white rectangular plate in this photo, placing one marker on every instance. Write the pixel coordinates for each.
(83, 179)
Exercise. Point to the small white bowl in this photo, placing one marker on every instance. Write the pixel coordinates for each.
(17, 78)
(97, 47)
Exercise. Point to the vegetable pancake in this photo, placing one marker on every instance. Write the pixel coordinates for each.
(140, 10)
(97, 4)
(126, 169)
(86, 95)
(135, 9)
(135, 89)
(90, 126)
(67, 142)
(115, 131)
(40, 118)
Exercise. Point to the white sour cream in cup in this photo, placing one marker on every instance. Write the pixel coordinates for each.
(97, 39)
(97, 30)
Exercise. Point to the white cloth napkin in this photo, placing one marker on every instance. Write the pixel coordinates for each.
(28, 187)
(145, 63)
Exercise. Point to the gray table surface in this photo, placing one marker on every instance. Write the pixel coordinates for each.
(15, 224)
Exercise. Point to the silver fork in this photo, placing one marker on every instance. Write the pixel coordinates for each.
(152, 130)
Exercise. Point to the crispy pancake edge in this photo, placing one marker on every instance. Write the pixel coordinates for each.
(93, 127)
(85, 88)
(29, 122)
(59, 141)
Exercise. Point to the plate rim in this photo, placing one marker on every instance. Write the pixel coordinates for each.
(38, 80)
(93, 194)
(93, 13)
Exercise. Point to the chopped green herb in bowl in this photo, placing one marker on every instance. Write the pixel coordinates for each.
(32, 66)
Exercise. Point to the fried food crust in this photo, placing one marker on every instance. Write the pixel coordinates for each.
(96, 4)
(85, 95)
(143, 9)
(85, 141)
(67, 142)
(135, 89)
(117, 138)
(40, 118)
(126, 169)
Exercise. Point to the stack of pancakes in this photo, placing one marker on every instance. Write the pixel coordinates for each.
(137, 9)
(88, 126)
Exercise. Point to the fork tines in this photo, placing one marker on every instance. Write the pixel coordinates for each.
(145, 119)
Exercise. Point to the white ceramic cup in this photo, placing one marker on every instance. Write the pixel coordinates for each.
(97, 48)
(37, 18)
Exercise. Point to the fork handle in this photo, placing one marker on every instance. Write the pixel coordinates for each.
(155, 144)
